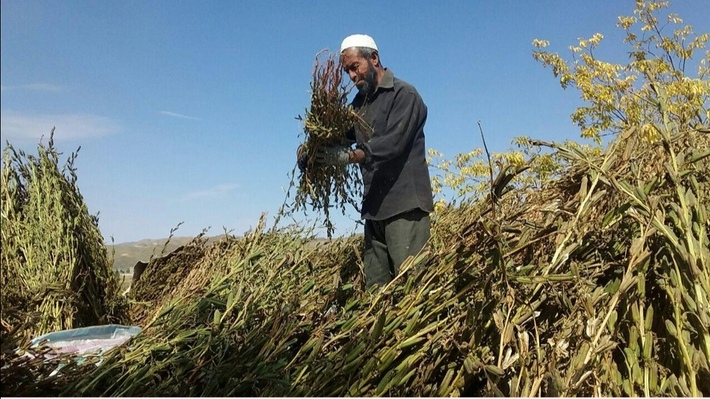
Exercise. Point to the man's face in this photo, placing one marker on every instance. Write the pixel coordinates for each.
(360, 69)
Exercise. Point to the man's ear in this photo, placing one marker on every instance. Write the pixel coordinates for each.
(375, 57)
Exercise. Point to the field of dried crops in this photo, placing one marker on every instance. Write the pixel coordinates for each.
(595, 285)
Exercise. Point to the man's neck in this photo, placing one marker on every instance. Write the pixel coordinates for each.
(380, 74)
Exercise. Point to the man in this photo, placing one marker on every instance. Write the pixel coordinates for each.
(397, 196)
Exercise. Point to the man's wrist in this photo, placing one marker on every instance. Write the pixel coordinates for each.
(356, 156)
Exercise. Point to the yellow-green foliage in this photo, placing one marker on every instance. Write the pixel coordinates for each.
(621, 97)
(655, 88)
(55, 270)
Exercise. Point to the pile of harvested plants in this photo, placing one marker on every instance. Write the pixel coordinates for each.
(56, 273)
(596, 285)
(326, 121)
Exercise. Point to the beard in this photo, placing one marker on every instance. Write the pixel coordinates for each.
(369, 80)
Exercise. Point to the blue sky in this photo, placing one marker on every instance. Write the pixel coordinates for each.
(185, 109)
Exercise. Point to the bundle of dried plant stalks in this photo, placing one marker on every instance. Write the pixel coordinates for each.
(56, 272)
(325, 123)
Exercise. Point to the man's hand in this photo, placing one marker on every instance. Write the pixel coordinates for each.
(335, 155)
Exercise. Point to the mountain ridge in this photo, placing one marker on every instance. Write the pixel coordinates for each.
(126, 254)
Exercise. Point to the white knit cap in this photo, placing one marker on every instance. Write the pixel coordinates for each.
(358, 40)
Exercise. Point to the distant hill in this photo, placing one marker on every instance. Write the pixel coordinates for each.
(128, 253)
(125, 255)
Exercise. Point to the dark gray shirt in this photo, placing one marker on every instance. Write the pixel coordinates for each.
(395, 173)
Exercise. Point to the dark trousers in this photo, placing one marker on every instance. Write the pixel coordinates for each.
(389, 242)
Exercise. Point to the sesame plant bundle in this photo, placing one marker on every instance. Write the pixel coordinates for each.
(55, 272)
(161, 277)
(55, 268)
(327, 119)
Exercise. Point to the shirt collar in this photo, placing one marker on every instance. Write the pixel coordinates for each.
(387, 81)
